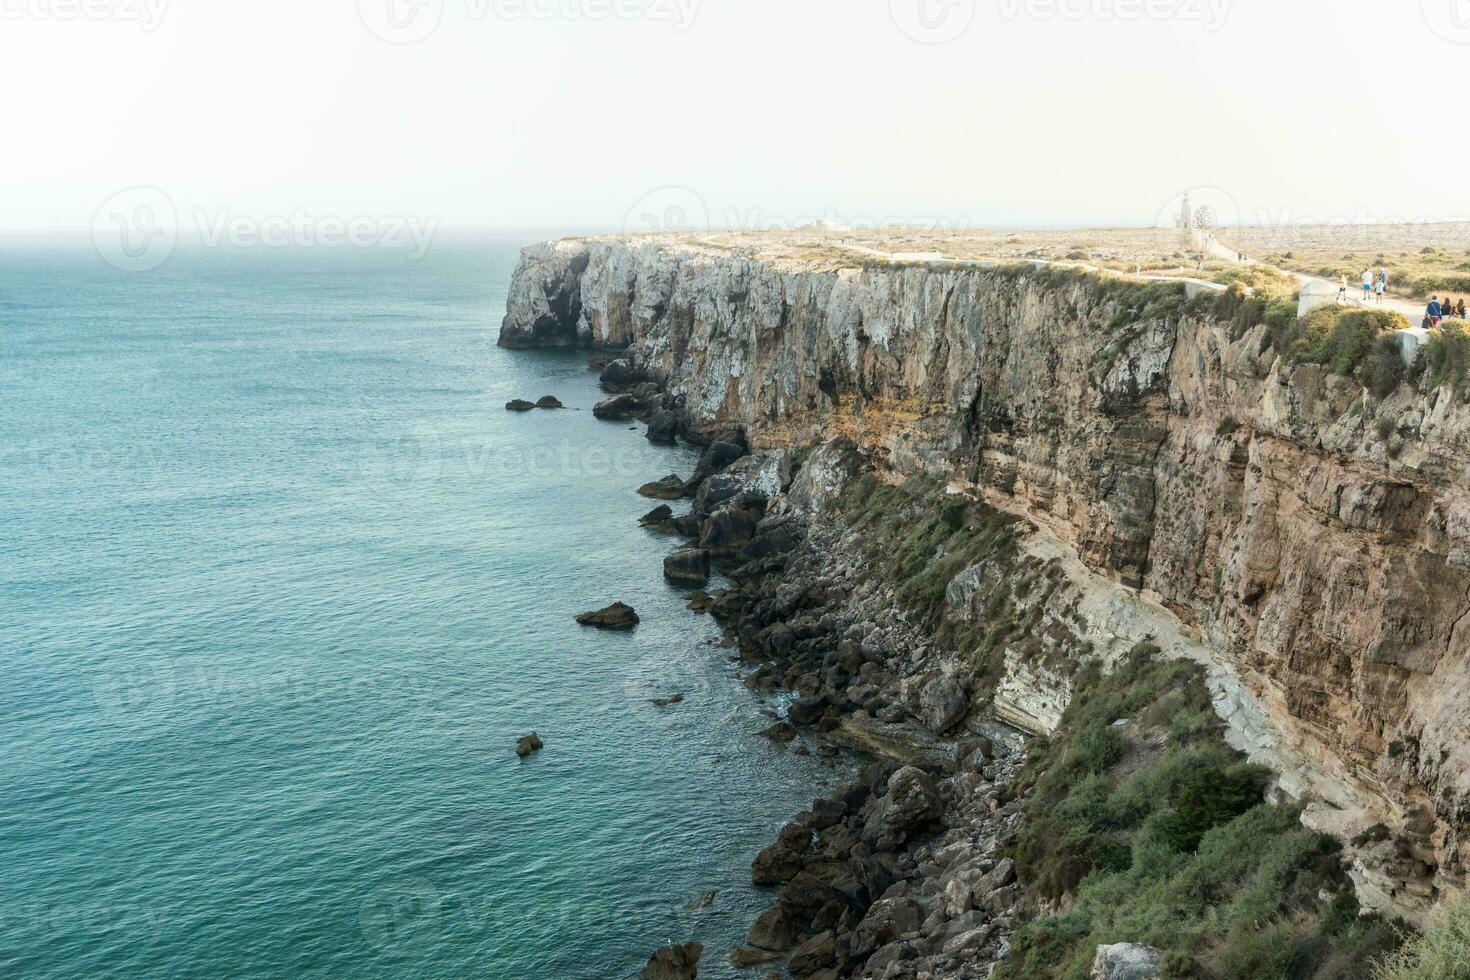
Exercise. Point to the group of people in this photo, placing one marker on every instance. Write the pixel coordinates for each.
(1373, 286)
(1442, 310)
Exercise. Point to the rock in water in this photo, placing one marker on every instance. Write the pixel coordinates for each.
(620, 408)
(670, 487)
(1126, 961)
(620, 375)
(519, 405)
(660, 514)
(529, 745)
(674, 963)
(618, 616)
(701, 901)
(689, 566)
(663, 427)
(550, 401)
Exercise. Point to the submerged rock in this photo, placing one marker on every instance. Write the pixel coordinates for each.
(674, 963)
(701, 901)
(529, 745)
(618, 616)
(519, 405)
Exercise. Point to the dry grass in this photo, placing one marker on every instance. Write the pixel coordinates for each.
(1441, 953)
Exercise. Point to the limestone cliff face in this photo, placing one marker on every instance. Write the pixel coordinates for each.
(1317, 556)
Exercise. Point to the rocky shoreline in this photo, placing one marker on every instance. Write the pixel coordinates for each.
(899, 873)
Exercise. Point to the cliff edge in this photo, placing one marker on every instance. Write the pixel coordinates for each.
(1307, 539)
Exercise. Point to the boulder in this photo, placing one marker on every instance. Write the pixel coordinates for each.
(972, 754)
(670, 487)
(777, 929)
(1126, 961)
(766, 474)
(912, 803)
(943, 704)
(888, 920)
(674, 963)
(775, 865)
(519, 405)
(727, 530)
(817, 953)
(662, 514)
(621, 408)
(618, 616)
(781, 733)
(689, 566)
(717, 455)
(774, 536)
(549, 401)
(744, 959)
(807, 711)
(529, 745)
(824, 475)
(620, 375)
(663, 427)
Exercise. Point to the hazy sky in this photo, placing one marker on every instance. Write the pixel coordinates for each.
(599, 113)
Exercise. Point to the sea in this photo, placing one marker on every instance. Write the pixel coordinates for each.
(281, 584)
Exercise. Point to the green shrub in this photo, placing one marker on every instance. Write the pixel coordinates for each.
(1173, 845)
(1340, 338)
(1207, 799)
(1384, 370)
(1448, 353)
(1441, 953)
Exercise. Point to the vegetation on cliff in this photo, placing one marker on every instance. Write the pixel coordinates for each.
(1441, 953)
(920, 538)
(1143, 826)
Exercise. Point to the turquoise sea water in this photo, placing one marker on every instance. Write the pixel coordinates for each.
(281, 582)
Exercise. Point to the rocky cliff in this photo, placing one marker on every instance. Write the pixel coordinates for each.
(1306, 540)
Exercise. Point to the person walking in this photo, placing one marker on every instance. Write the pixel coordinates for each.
(1435, 312)
(1367, 285)
(1378, 288)
(1460, 309)
(1342, 289)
